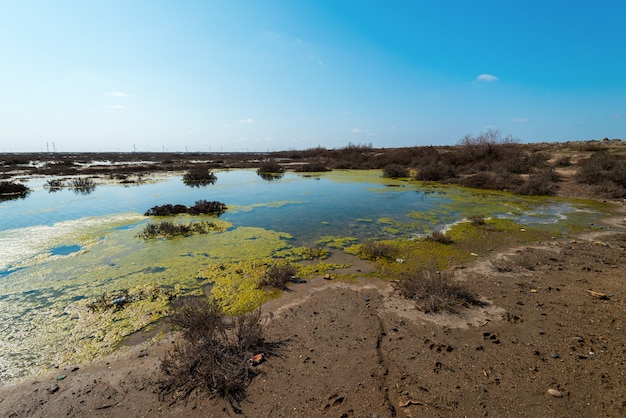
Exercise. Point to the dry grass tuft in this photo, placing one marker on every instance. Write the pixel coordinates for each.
(214, 353)
(435, 292)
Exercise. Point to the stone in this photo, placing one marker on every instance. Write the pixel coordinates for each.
(555, 393)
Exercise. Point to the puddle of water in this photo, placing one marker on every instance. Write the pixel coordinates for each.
(65, 249)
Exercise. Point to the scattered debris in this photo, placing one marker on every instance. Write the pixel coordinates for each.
(598, 295)
(257, 359)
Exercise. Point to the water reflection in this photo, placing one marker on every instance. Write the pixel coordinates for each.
(271, 176)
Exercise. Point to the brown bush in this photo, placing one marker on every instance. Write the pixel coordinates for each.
(213, 355)
(278, 275)
(395, 171)
(602, 167)
(8, 188)
(435, 292)
(476, 220)
(440, 237)
(377, 250)
(270, 167)
(199, 176)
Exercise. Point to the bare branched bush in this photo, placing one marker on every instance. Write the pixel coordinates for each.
(270, 167)
(435, 292)
(476, 220)
(440, 237)
(201, 207)
(213, 355)
(278, 275)
(377, 250)
(313, 167)
(169, 230)
(395, 171)
(541, 183)
(563, 161)
(605, 170)
(8, 188)
(199, 176)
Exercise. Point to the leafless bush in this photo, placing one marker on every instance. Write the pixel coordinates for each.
(313, 167)
(395, 171)
(435, 292)
(603, 168)
(477, 220)
(270, 167)
(563, 161)
(541, 183)
(201, 207)
(377, 250)
(13, 189)
(169, 230)
(278, 275)
(213, 355)
(199, 176)
(440, 237)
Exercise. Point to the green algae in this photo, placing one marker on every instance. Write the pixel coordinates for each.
(336, 242)
(469, 241)
(235, 286)
(273, 205)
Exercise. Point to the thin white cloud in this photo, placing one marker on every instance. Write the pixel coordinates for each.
(116, 94)
(116, 107)
(356, 131)
(519, 120)
(246, 121)
(487, 78)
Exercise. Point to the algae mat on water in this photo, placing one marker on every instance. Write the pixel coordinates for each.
(39, 325)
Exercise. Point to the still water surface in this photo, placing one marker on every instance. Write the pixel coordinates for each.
(60, 247)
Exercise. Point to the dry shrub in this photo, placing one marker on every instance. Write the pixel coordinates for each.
(477, 220)
(169, 230)
(199, 176)
(270, 167)
(524, 260)
(395, 171)
(312, 167)
(435, 292)
(213, 355)
(377, 250)
(13, 189)
(277, 276)
(201, 207)
(440, 237)
(541, 183)
(606, 171)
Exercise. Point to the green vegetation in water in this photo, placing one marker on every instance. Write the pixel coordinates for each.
(169, 230)
(112, 259)
(101, 323)
(469, 240)
(336, 242)
(236, 286)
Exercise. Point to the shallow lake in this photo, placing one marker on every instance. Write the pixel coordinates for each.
(60, 247)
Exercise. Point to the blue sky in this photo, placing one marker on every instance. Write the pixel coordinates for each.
(275, 74)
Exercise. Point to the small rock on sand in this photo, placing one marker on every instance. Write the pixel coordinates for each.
(555, 393)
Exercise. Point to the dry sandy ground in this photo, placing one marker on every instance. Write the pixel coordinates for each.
(356, 350)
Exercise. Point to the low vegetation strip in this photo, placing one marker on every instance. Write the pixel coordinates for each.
(8, 188)
(169, 230)
(201, 207)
